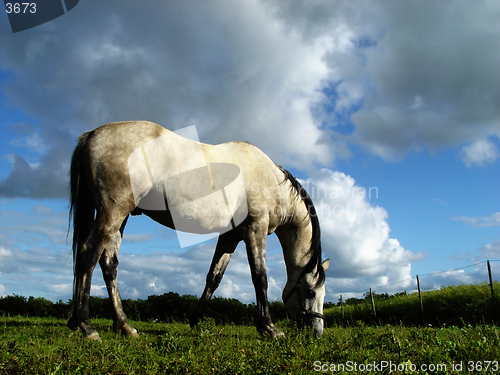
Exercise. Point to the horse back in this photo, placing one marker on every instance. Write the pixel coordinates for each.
(128, 162)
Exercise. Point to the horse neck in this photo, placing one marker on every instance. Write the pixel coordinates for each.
(295, 237)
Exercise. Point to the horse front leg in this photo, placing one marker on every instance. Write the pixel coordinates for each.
(224, 250)
(256, 251)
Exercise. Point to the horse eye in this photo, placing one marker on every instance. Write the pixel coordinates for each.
(310, 293)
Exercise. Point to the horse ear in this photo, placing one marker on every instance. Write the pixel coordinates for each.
(325, 264)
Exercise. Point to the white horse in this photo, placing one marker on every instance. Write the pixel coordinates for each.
(233, 188)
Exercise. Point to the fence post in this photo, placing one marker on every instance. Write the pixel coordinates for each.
(492, 292)
(420, 299)
(373, 305)
(341, 307)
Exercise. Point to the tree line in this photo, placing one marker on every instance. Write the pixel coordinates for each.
(168, 307)
(452, 305)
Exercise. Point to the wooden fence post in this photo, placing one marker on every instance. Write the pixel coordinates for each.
(420, 299)
(341, 307)
(492, 292)
(373, 305)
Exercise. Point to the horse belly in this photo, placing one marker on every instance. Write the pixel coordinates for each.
(203, 200)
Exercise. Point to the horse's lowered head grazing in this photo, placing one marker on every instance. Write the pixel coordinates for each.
(304, 292)
(304, 300)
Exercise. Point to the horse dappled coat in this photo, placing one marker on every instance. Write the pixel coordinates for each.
(116, 172)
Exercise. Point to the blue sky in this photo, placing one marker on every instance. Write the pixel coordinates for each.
(398, 98)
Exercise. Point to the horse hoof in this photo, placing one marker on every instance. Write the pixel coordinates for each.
(277, 333)
(272, 332)
(94, 336)
(132, 333)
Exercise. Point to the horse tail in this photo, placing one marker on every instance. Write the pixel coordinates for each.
(82, 206)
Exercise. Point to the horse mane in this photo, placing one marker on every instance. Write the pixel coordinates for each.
(312, 217)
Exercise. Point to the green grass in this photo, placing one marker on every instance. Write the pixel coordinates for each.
(46, 346)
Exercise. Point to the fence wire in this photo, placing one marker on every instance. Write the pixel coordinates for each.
(376, 288)
(456, 307)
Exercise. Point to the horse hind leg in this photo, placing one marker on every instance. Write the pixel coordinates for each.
(100, 237)
(86, 259)
(109, 267)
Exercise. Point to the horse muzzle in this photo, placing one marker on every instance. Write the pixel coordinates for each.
(311, 319)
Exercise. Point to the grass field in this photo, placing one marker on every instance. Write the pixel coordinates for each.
(46, 346)
(452, 305)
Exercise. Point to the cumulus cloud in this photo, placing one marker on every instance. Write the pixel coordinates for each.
(33, 243)
(479, 153)
(355, 235)
(411, 75)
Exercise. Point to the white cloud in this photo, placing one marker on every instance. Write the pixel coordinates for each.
(452, 277)
(476, 273)
(61, 290)
(138, 237)
(5, 258)
(4, 253)
(39, 225)
(480, 221)
(49, 271)
(491, 250)
(32, 142)
(355, 235)
(479, 153)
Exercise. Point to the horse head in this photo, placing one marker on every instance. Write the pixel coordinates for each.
(304, 300)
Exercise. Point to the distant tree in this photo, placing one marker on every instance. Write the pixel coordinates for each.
(13, 305)
(39, 307)
(100, 307)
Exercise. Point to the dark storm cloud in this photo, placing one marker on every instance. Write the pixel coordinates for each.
(222, 67)
(426, 79)
(407, 76)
